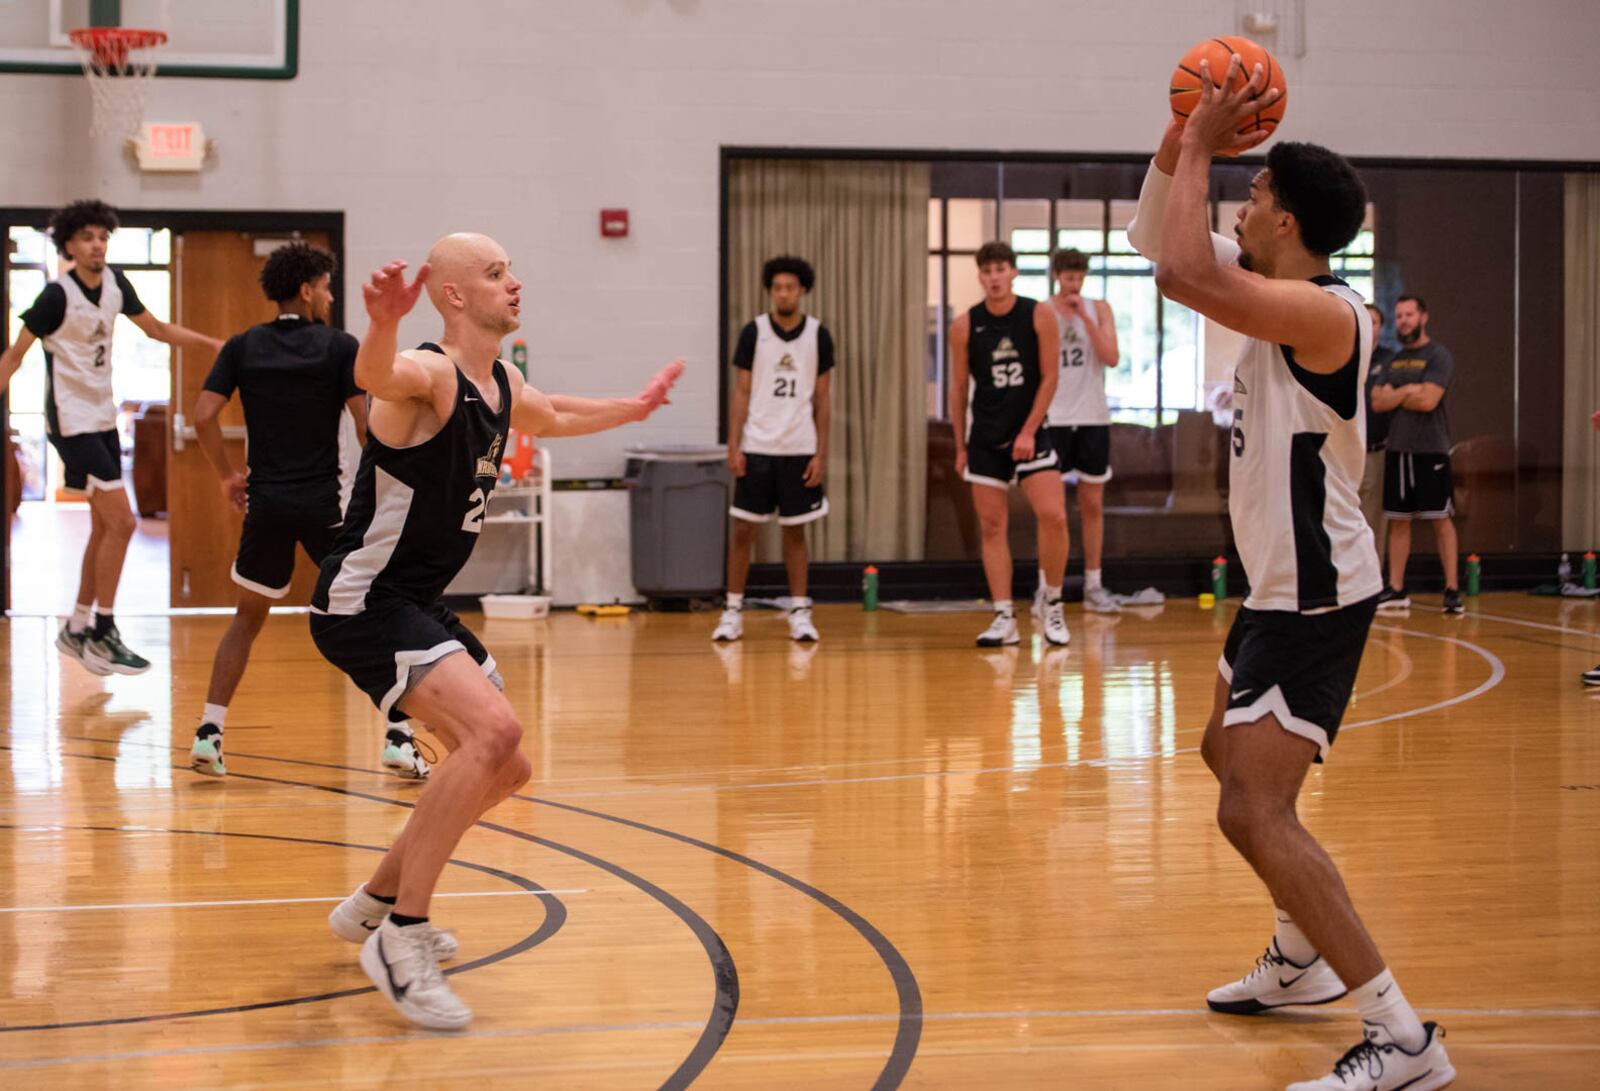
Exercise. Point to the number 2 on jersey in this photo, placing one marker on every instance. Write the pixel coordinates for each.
(786, 388)
(1006, 374)
(473, 523)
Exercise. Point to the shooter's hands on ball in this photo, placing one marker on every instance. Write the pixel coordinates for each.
(389, 298)
(654, 394)
(1216, 122)
(1022, 447)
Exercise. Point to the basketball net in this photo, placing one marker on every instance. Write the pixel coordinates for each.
(118, 62)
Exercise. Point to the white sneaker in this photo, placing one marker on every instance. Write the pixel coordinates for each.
(71, 644)
(1037, 610)
(359, 915)
(1001, 631)
(800, 627)
(1100, 601)
(731, 626)
(1055, 625)
(400, 756)
(1381, 1064)
(1275, 983)
(400, 962)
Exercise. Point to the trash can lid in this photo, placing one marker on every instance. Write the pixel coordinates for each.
(679, 452)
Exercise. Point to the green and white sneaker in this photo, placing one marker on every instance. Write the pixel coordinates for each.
(70, 644)
(205, 756)
(402, 757)
(108, 651)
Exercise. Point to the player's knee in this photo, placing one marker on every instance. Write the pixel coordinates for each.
(744, 532)
(1211, 749)
(1091, 502)
(502, 734)
(1053, 520)
(519, 770)
(119, 523)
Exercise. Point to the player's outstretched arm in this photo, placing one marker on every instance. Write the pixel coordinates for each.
(11, 359)
(380, 370)
(1144, 230)
(543, 414)
(173, 334)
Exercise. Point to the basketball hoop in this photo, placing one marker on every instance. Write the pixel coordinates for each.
(118, 65)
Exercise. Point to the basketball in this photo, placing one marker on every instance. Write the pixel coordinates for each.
(1184, 89)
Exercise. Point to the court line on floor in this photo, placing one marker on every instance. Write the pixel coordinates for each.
(845, 1019)
(252, 901)
(1590, 633)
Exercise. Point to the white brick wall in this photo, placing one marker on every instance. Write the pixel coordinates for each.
(525, 117)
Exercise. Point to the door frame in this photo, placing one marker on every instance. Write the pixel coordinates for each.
(177, 221)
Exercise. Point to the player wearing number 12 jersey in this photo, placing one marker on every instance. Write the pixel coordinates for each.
(1298, 452)
(437, 427)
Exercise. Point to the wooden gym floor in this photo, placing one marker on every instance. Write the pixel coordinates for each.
(888, 860)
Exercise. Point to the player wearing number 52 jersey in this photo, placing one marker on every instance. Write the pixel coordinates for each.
(75, 317)
(437, 428)
(1298, 452)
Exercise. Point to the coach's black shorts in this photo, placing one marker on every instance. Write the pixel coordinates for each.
(777, 483)
(992, 464)
(385, 648)
(1417, 486)
(1084, 450)
(265, 563)
(1301, 668)
(90, 461)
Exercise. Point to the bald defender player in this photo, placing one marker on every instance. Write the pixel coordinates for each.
(75, 317)
(1298, 450)
(436, 430)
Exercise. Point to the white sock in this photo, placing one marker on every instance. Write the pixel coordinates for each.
(214, 714)
(82, 617)
(1043, 583)
(1091, 579)
(1385, 1011)
(1052, 594)
(797, 601)
(735, 602)
(1003, 606)
(1292, 943)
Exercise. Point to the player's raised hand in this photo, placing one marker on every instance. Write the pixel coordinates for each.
(1218, 122)
(654, 394)
(389, 298)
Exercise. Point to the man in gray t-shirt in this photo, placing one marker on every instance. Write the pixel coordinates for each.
(1417, 482)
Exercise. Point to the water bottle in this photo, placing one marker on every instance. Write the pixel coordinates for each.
(519, 356)
(869, 588)
(1474, 574)
(1564, 571)
(1219, 578)
(1588, 570)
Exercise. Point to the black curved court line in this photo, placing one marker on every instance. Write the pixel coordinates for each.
(908, 1032)
(724, 972)
(555, 915)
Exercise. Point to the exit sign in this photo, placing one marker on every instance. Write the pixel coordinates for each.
(171, 147)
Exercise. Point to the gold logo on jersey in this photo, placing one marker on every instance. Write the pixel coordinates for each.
(101, 331)
(787, 363)
(1006, 350)
(489, 464)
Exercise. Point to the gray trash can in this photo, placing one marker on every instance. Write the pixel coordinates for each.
(678, 509)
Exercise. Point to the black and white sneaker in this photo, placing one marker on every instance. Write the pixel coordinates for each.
(1391, 601)
(1591, 677)
(1001, 631)
(1277, 983)
(401, 963)
(205, 755)
(1452, 601)
(1382, 1064)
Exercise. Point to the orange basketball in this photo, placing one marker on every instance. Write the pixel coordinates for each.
(1184, 90)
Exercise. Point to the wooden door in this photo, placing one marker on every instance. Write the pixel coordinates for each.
(219, 293)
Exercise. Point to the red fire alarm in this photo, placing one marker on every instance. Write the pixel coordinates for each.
(614, 223)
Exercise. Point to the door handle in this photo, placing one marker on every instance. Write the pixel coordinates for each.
(183, 432)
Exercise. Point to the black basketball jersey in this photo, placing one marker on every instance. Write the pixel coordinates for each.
(416, 512)
(1003, 359)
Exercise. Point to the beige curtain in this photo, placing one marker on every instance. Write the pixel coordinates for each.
(1580, 478)
(864, 228)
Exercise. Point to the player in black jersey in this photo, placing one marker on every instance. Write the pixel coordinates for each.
(437, 427)
(296, 377)
(1006, 349)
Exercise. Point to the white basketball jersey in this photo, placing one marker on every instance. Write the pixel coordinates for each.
(1081, 380)
(783, 378)
(1299, 448)
(80, 360)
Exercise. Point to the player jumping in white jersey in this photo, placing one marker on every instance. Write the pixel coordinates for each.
(1299, 448)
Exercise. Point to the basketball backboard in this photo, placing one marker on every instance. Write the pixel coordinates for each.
(236, 39)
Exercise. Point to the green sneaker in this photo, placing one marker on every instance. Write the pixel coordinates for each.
(108, 651)
(71, 644)
(205, 756)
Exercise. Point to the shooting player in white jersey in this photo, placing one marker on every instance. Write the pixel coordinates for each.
(1298, 451)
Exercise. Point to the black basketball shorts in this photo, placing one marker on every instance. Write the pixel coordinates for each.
(1084, 451)
(777, 483)
(991, 463)
(1301, 668)
(1417, 486)
(90, 461)
(265, 562)
(389, 647)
